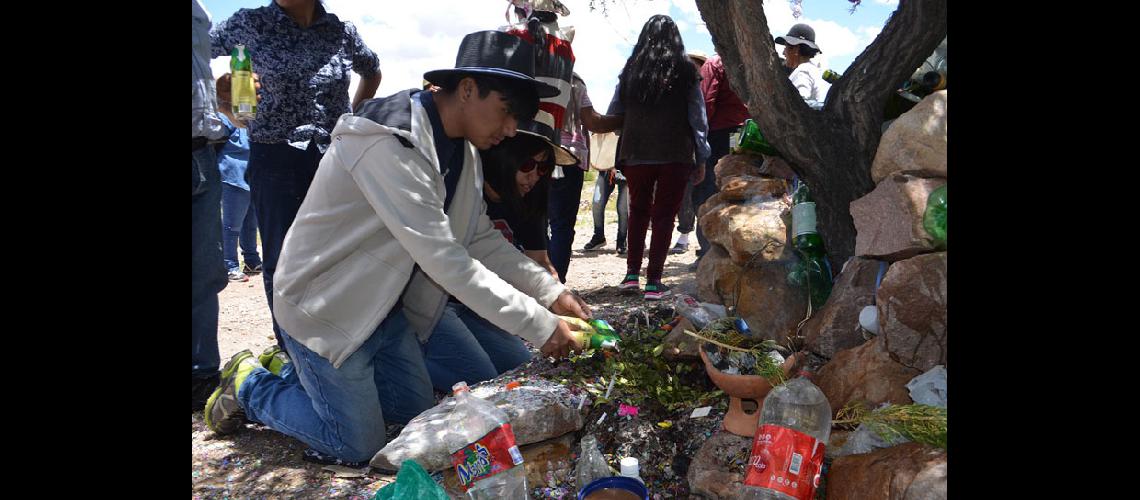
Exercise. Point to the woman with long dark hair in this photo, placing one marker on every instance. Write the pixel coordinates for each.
(663, 143)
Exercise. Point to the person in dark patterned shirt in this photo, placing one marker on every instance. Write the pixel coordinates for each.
(302, 55)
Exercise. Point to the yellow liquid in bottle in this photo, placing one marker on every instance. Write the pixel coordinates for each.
(243, 95)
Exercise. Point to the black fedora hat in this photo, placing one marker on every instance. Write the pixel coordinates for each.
(544, 131)
(495, 53)
(799, 34)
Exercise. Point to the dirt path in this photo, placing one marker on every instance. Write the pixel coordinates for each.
(257, 462)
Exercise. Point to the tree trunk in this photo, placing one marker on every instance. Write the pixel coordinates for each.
(831, 149)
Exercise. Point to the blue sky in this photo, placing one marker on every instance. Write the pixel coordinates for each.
(411, 39)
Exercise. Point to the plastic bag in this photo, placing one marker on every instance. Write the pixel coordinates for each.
(929, 388)
(412, 483)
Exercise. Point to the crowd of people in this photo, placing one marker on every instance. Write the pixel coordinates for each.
(413, 241)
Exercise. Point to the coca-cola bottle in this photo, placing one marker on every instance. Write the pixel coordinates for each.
(787, 450)
(489, 465)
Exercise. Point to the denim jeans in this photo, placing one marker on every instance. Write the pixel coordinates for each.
(562, 210)
(602, 189)
(279, 176)
(342, 411)
(466, 347)
(239, 223)
(655, 196)
(718, 143)
(208, 273)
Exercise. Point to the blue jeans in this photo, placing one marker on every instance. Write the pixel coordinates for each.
(562, 210)
(239, 223)
(602, 189)
(466, 347)
(718, 143)
(207, 272)
(279, 176)
(342, 411)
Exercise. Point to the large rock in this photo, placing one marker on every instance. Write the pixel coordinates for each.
(732, 165)
(717, 471)
(912, 310)
(867, 373)
(748, 187)
(835, 327)
(715, 262)
(915, 142)
(908, 471)
(538, 410)
(771, 306)
(888, 220)
(679, 345)
(747, 229)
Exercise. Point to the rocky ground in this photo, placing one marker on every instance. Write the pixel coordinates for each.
(257, 462)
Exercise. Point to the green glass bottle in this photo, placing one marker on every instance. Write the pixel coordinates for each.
(752, 141)
(934, 219)
(243, 95)
(831, 76)
(809, 245)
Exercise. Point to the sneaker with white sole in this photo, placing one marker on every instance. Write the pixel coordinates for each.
(224, 413)
(656, 291)
(631, 282)
(595, 243)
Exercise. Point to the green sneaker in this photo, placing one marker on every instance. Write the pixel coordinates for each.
(223, 412)
(274, 359)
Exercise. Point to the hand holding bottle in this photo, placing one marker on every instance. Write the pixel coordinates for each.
(562, 342)
(698, 175)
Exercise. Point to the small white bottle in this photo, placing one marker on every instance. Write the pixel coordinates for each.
(631, 468)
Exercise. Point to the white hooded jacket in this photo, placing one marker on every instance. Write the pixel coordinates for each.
(372, 230)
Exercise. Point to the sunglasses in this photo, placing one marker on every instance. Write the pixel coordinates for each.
(531, 164)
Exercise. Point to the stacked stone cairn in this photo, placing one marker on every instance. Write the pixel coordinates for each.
(896, 268)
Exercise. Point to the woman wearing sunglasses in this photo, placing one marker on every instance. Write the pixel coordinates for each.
(516, 177)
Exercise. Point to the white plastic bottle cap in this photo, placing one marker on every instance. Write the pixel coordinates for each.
(630, 467)
(869, 319)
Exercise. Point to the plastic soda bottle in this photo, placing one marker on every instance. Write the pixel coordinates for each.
(594, 334)
(809, 244)
(934, 219)
(591, 464)
(752, 141)
(488, 466)
(243, 96)
(787, 449)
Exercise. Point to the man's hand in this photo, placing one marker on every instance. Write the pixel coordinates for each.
(569, 304)
(562, 342)
(698, 175)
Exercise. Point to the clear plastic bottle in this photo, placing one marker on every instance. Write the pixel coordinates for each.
(591, 464)
(787, 450)
(489, 465)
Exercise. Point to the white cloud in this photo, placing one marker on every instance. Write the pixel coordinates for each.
(410, 39)
(887, 2)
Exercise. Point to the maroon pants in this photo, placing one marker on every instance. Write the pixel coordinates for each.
(654, 195)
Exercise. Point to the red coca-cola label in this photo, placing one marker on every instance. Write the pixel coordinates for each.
(489, 455)
(785, 460)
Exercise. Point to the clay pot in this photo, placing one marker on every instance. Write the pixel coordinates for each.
(746, 395)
